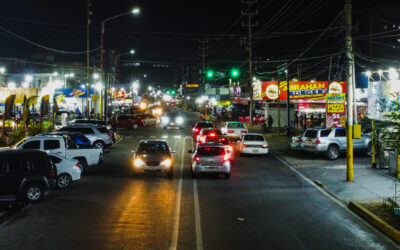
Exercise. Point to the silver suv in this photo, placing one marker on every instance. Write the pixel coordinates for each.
(99, 136)
(331, 142)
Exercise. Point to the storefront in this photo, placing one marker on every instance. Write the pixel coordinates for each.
(308, 100)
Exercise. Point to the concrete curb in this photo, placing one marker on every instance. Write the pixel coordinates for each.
(375, 221)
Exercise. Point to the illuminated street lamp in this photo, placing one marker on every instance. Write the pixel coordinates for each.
(2, 70)
(11, 85)
(96, 76)
(28, 78)
(368, 73)
(135, 11)
(25, 85)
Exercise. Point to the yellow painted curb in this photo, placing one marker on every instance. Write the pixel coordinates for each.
(319, 183)
(375, 221)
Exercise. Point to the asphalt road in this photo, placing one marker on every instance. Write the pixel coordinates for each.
(264, 205)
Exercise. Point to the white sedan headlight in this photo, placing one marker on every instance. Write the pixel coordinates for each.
(179, 120)
(138, 162)
(165, 120)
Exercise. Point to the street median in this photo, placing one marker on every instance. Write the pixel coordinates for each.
(375, 221)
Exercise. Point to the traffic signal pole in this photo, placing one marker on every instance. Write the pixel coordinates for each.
(350, 83)
(250, 25)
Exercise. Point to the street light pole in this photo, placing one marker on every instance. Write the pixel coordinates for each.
(134, 11)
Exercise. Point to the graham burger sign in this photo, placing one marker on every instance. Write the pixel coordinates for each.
(300, 90)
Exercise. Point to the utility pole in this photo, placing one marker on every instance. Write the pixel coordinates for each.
(89, 13)
(350, 83)
(288, 97)
(203, 53)
(250, 25)
(330, 69)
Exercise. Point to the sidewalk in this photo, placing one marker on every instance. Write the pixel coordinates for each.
(368, 185)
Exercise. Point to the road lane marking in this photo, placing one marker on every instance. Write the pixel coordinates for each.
(177, 136)
(199, 237)
(165, 137)
(175, 235)
(152, 136)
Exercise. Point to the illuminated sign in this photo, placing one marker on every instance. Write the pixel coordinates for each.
(192, 85)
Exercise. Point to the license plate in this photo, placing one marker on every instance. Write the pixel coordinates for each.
(255, 151)
(172, 124)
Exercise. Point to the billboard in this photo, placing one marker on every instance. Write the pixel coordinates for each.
(335, 110)
(300, 90)
(381, 98)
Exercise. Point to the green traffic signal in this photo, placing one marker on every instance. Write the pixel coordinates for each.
(168, 92)
(173, 92)
(210, 74)
(235, 73)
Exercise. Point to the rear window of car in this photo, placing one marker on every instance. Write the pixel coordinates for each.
(325, 133)
(311, 133)
(210, 151)
(253, 138)
(340, 133)
(221, 140)
(235, 125)
(103, 130)
(204, 125)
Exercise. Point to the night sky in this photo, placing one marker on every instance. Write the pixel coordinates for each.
(169, 30)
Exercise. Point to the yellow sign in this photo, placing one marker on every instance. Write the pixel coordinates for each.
(192, 85)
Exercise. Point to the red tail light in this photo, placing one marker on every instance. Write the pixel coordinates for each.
(197, 159)
(77, 165)
(244, 131)
(231, 131)
(196, 130)
(52, 173)
(212, 134)
(299, 140)
(265, 146)
(318, 141)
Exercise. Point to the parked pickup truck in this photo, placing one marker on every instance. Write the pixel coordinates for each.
(64, 146)
(330, 142)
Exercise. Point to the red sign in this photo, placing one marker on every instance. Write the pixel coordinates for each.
(120, 94)
(306, 90)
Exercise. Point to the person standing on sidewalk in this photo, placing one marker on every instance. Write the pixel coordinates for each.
(270, 122)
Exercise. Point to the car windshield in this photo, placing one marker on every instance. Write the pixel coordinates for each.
(153, 148)
(210, 151)
(254, 138)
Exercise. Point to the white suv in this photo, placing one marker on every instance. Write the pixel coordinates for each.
(99, 136)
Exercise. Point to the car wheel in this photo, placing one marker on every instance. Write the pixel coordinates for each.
(333, 152)
(33, 192)
(135, 126)
(99, 144)
(63, 181)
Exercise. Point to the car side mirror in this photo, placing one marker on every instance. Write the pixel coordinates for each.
(173, 151)
(190, 151)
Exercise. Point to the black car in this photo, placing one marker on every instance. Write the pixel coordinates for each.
(25, 175)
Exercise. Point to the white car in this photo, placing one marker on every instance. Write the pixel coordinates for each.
(234, 129)
(252, 143)
(67, 170)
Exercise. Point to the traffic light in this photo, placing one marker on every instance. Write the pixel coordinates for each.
(173, 92)
(210, 73)
(235, 73)
(168, 92)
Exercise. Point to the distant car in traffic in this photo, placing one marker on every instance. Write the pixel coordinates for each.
(234, 129)
(26, 175)
(211, 158)
(252, 143)
(223, 140)
(331, 142)
(200, 125)
(210, 132)
(91, 121)
(172, 120)
(129, 122)
(68, 170)
(153, 155)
